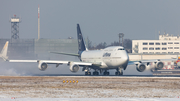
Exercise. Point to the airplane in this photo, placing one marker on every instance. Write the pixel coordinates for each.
(113, 57)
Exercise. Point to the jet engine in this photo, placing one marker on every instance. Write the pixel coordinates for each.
(73, 67)
(42, 66)
(140, 67)
(178, 64)
(159, 65)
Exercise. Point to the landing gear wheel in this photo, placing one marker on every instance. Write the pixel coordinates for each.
(106, 73)
(120, 72)
(87, 73)
(95, 73)
(117, 73)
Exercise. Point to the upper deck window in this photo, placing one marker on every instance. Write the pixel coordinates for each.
(121, 49)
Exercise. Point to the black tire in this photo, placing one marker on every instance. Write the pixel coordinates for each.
(97, 73)
(107, 73)
(89, 73)
(117, 73)
(86, 73)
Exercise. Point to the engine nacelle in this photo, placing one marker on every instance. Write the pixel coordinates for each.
(140, 67)
(159, 65)
(73, 67)
(42, 66)
(178, 64)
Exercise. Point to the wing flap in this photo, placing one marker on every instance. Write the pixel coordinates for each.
(53, 62)
(65, 62)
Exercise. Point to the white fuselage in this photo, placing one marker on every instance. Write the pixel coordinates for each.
(109, 58)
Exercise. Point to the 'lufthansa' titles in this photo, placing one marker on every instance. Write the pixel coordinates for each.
(106, 54)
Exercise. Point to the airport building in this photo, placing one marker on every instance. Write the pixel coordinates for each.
(39, 49)
(167, 44)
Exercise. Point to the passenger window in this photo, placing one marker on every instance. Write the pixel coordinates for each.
(121, 49)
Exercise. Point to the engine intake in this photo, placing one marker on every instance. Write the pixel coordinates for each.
(42, 66)
(73, 67)
(159, 65)
(140, 67)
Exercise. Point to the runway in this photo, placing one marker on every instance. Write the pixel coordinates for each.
(69, 75)
(89, 87)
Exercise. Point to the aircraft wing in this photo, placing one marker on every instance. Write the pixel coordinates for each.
(22, 60)
(148, 61)
(64, 62)
(54, 62)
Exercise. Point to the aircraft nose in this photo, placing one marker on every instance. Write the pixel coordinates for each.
(125, 60)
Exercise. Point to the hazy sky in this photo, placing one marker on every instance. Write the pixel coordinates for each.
(100, 20)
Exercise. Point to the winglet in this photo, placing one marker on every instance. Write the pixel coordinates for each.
(4, 51)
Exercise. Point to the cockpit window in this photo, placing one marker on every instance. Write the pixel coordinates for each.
(121, 49)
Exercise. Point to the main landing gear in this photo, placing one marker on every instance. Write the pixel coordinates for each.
(106, 72)
(87, 73)
(119, 71)
(95, 73)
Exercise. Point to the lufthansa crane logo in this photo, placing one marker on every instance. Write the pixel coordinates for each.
(106, 54)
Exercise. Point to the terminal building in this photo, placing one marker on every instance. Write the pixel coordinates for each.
(167, 47)
(167, 44)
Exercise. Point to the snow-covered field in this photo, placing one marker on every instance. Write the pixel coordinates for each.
(90, 99)
(114, 88)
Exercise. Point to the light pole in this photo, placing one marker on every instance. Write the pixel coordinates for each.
(121, 35)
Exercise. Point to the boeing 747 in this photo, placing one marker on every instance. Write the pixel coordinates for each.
(113, 57)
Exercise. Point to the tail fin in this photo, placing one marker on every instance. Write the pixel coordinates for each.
(4, 51)
(81, 44)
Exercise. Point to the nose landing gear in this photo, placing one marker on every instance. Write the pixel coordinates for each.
(119, 71)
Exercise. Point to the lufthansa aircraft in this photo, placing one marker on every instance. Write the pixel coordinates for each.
(114, 57)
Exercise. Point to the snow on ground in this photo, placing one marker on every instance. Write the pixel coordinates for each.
(35, 88)
(90, 99)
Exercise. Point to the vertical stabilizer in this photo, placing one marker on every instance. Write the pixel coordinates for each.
(4, 51)
(81, 44)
